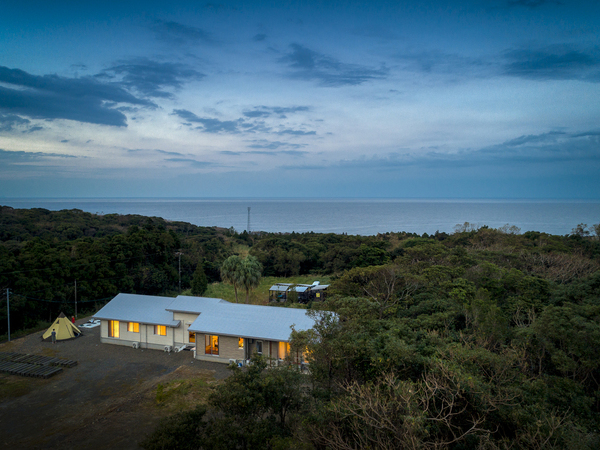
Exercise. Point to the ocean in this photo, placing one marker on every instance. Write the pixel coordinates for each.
(351, 216)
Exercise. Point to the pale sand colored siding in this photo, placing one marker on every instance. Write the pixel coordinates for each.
(181, 333)
(146, 337)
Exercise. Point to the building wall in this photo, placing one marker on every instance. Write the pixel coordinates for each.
(146, 337)
(228, 349)
(182, 335)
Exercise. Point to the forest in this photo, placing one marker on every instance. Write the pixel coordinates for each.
(477, 339)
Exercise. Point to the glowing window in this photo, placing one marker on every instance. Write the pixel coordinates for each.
(212, 344)
(160, 330)
(240, 342)
(284, 350)
(133, 327)
(192, 336)
(113, 328)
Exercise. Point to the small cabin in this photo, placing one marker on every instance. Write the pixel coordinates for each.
(306, 292)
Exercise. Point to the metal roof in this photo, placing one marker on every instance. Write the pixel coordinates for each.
(319, 287)
(251, 321)
(148, 309)
(279, 287)
(194, 305)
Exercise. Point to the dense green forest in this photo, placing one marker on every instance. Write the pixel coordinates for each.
(479, 339)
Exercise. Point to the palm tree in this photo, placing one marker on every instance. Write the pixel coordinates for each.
(251, 273)
(231, 272)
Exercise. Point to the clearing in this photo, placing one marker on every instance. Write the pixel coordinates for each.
(113, 398)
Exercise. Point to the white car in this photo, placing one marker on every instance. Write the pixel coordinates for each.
(92, 323)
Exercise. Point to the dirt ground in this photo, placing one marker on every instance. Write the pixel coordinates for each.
(107, 401)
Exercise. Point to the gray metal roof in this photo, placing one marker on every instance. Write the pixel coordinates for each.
(148, 309)
(250, 321)
(194, 305)
(279, 287)
(319, 287)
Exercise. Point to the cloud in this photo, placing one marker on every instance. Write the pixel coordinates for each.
(151, 78)
(296, 132)
(244, 125)
(191, 162)
(84, 99)
(20, 157)
(435, 61)
(33, 129)
(309, 65)
(557, 62)
(177, 33)
(9, 121)
(267, 111)
(274, 145)
(557, 148)
(169, 153)
(209, 125)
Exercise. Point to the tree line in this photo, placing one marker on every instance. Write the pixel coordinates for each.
(483, 339)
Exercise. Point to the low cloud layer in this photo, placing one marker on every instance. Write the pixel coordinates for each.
(54, 97)
(151, 78)
(558, 62)
(310, 65)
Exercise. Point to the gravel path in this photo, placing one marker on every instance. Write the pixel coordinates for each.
(103, 402)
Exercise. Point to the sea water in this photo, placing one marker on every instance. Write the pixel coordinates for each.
(351, 216)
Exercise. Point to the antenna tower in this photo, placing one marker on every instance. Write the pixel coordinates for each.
(248, 228)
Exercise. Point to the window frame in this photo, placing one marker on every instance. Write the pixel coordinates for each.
(133, 327)
(159, 328)
(209, 344)
(260, 352)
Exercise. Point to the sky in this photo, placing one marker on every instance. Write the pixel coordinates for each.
(403, 99)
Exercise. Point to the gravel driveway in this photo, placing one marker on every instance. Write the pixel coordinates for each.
(103, 402)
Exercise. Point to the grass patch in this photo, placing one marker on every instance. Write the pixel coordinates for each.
(12, 386)
(182, 394)
(260, 295)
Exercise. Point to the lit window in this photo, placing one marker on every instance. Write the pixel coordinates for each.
(212, 344)
(113, 328)
(240, 342)
(192, 336)
(284, 350)
(259, 347)
(133, 327)
(160, 330)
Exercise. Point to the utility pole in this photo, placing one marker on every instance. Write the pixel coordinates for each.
(179, 254)
(8, 311)
(76, 299)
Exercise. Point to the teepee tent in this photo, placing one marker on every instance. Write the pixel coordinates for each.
(64, 329)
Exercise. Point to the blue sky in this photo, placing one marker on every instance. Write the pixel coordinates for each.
(438, 99)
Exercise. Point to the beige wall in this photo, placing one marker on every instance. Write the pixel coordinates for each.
(182, 333)
(145, 337)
